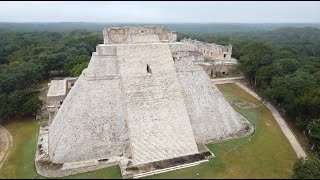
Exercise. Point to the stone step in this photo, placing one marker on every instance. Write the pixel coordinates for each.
(168, 169)
(75, 165)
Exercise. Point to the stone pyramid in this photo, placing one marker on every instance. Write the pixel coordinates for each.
(142, 103)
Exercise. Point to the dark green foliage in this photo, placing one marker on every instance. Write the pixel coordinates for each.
(75, 64)
(287, 73)
(283, 65)
(307, 169)
(314, 131)
(256, 55)
(26, 59)
(19, 103)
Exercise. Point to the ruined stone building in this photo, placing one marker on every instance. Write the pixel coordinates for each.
(212, 51)
(219, 56)
(142, 103)
(58, 90)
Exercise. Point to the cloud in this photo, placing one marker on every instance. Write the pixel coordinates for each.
(158, 11)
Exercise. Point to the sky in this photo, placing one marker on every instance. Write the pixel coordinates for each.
(161, 11)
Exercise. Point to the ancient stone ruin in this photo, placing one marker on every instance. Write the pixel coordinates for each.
(142, 103)
(58, 90)
(219, 56)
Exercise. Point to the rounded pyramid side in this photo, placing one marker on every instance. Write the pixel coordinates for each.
(90, 124)
(212, 117)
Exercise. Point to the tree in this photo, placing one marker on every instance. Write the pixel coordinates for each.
(307, 169)
(284, 91)
(255, 55)
(314, 131)
(19, 103)
(28, 58)
(76, 64)
(31, 106)
(77, 70)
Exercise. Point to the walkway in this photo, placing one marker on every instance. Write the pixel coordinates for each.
(283, 125)
(5, 144)
(226, 80)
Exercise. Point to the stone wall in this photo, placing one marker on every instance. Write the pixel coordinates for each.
(220, 59)
(211, 69)
(56, 94)
(211, 51)
(145, 34)
(58, 90)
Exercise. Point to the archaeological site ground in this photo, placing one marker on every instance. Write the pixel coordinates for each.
(143, 103)
(239, 158)
(146, 106)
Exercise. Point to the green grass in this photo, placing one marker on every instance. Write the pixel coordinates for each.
(268, 154)
(20, 162)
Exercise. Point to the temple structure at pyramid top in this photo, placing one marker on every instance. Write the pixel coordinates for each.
(136, 35)
(142, 103)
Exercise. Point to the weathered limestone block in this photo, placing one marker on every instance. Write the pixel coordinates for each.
(211, 69)
(212, 118)
(158, 122)
(56, 93)
(133, 35)
(211, 51)
(142, 103)
(108, 67)
(42, 154)
(91, 122)
(74, 165)
(106, 50)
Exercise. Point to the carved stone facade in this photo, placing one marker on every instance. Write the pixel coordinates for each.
(218, 56)
(211, 51)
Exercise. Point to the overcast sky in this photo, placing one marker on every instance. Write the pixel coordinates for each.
(160, 12)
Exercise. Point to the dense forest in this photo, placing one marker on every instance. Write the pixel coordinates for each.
(284, 67)
(27, 59)
(281, 64)
(179, 27)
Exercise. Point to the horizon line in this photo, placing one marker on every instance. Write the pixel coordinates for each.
(167, 22)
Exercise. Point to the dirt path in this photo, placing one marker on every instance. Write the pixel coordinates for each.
(283, 125)
(5, 144)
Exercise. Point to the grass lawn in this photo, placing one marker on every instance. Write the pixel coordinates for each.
(265, 154)
(20, 162)
(268, 154)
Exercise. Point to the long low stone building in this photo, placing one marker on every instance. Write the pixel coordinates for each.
(218, 57)
(142, 103)
(210, 50)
